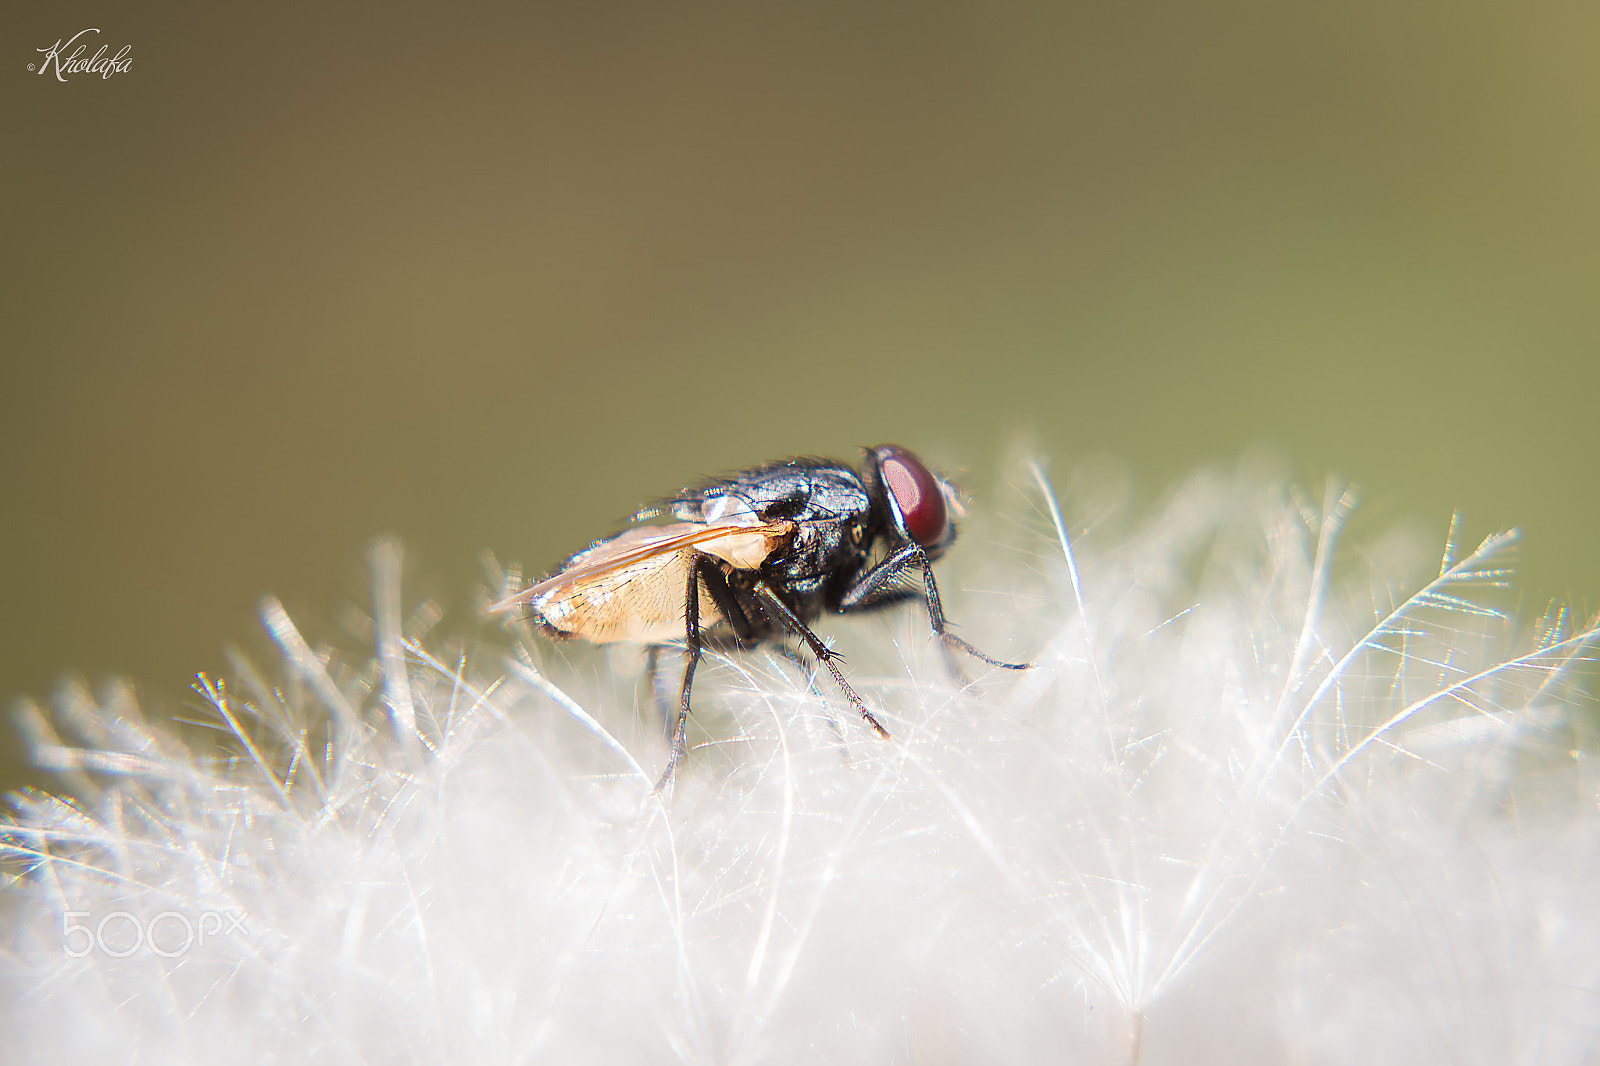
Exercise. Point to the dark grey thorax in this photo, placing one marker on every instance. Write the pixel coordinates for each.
(830, 506)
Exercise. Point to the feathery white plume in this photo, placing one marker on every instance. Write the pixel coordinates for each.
(1254, 803)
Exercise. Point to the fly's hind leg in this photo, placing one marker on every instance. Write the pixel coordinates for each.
(702, 569)
(652, 680)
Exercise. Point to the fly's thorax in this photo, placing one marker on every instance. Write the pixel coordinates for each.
(799, 489)
(819, 553)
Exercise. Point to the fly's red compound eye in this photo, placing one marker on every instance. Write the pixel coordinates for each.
(915, 493)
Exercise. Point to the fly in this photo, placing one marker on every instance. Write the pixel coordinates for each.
(757, 557)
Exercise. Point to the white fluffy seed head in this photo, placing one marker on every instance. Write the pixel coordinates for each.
(1255, 801)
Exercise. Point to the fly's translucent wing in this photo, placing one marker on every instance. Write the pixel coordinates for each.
(622, 552)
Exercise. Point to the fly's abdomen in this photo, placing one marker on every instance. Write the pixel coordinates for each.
(642, 603)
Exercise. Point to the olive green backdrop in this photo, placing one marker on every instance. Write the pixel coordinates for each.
(487, 276)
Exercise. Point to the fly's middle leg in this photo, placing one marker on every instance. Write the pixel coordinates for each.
(808, 674)
(791, 621)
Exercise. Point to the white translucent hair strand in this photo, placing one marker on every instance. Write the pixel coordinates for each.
(1259, 799)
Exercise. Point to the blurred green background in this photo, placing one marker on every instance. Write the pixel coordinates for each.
(488, 276)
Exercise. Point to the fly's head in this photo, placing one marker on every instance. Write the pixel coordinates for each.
(911, 503)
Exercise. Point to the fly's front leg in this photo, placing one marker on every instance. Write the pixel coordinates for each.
(874, 589)
(823, 654)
